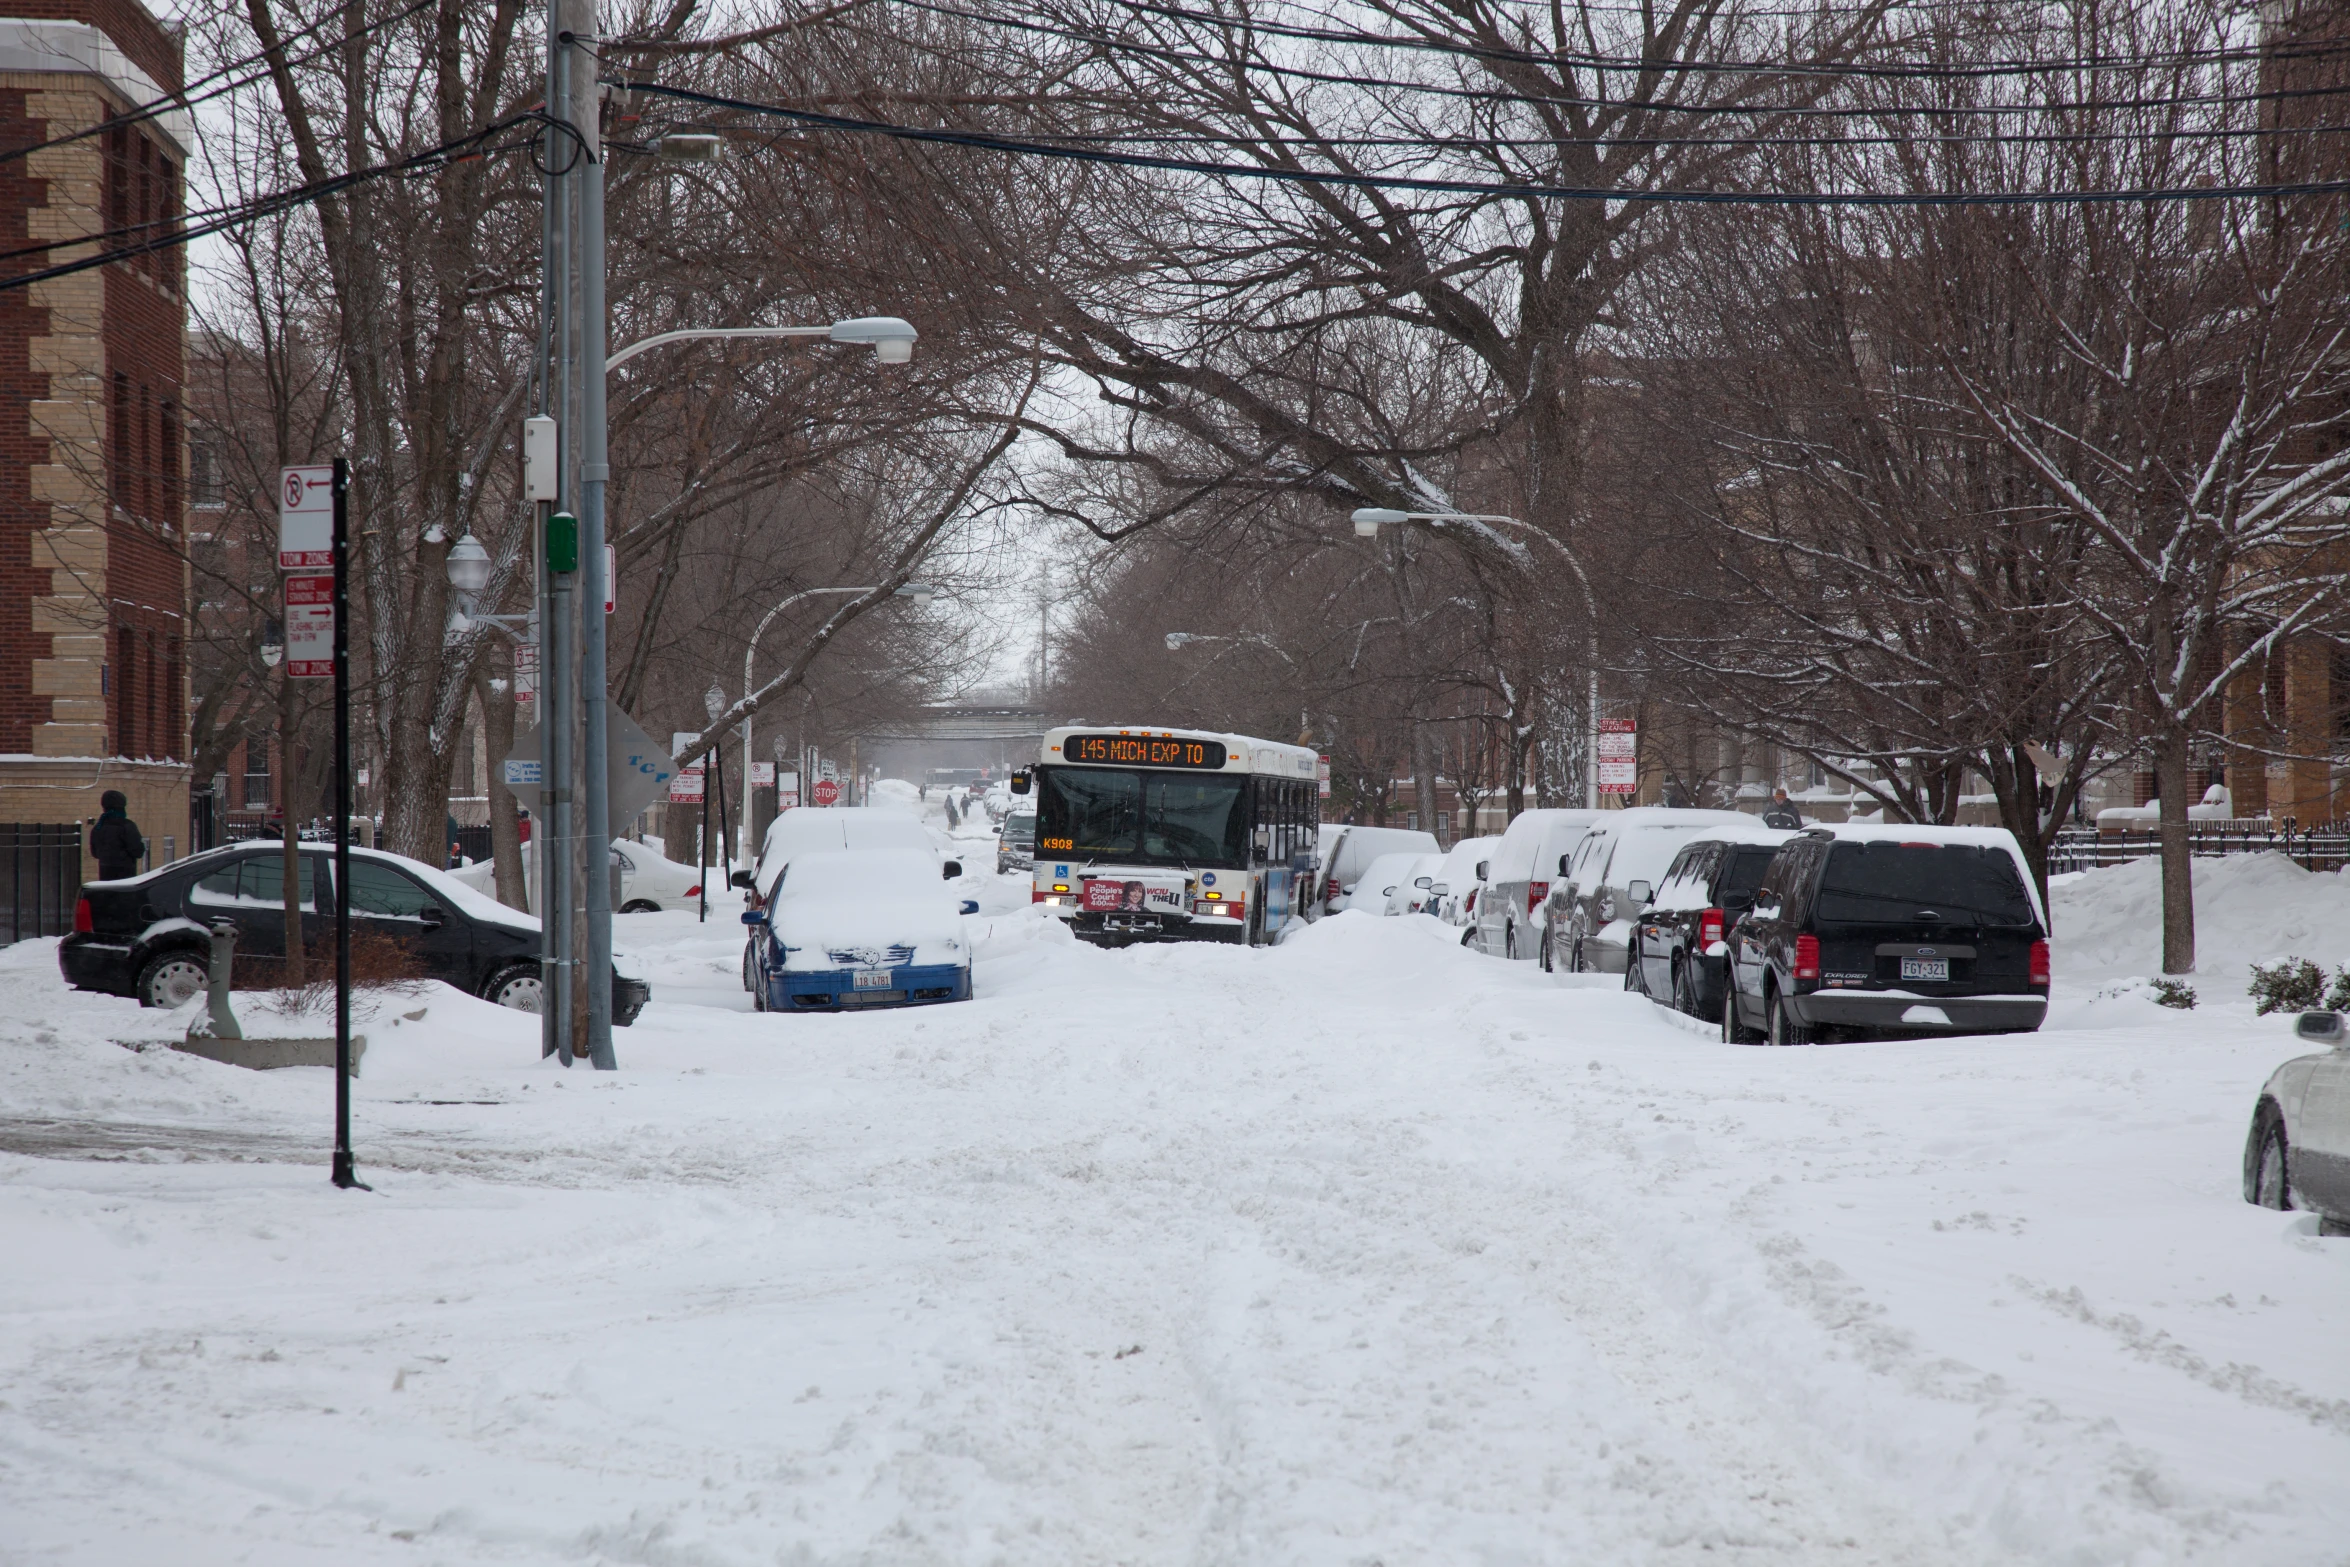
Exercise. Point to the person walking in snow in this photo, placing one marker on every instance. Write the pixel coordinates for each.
(1782, 813)
(114, 838)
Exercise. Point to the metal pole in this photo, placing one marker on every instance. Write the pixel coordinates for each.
(594, 470)
(344, 1173)
(702, 840)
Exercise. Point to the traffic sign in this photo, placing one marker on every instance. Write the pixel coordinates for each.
(635, 774)
(1619, 756)
(685, 788)
(310, 627)
(762, 775)
(826, 792)
(306, 517)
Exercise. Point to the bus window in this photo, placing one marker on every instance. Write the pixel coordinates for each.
(1196, 820)
(1088, 812)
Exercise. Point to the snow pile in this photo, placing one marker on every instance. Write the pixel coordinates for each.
(2249, 908)
(1360, 1248)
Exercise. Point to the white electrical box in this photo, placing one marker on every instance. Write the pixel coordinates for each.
(540, 460)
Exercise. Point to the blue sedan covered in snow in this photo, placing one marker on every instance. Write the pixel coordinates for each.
(870, 928)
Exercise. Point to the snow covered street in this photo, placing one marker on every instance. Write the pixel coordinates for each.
(1362, 1249)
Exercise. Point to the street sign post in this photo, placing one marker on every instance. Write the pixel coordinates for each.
(787, 790)
(306, 499)
(339, 556)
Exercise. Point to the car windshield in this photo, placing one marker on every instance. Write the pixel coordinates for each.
(1962, 883)
(1019, 826)
(1744, 874)
(1144, 818)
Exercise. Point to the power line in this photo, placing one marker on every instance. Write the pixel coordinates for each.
(275, 202)
(1483, 143)
(186, 97)
(1634, 65)
(1512, 190)
(1112, 42)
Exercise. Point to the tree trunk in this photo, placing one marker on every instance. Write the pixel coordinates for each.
(2178, 873)
(497, 737)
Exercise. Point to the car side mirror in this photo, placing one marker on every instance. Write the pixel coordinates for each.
(1484, 867)
(1424, 881)
(1641, 893)
(432, 916)
(970, 906)
(754, 916)
(2324, 1027)
(1563, 862)
(951, 869)
(740, 879)
(1442, 889)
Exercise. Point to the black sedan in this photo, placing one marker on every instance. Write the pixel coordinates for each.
(149, 936)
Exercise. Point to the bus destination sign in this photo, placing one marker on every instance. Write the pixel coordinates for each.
(1142, 751)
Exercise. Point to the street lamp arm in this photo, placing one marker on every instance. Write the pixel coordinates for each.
(686, 333)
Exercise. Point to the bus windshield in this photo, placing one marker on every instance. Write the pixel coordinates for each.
(1146, 818)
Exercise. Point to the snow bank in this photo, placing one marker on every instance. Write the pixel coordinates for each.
(2249, 908)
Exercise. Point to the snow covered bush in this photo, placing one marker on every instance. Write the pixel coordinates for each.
(2287, 985)
(2173, 993)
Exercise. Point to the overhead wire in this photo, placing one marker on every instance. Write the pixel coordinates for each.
(1107, 41)
(189, 96)
(1521, 190)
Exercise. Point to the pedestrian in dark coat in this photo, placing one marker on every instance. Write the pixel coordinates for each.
(114, 838)
(1782, 813)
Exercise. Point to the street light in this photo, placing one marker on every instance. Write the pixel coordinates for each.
(891, 338)
(1368, 520)
(920, 592)
(1176, 640)
(273, 642)
(469, 564)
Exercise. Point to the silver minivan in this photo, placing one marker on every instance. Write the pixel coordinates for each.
(1532, 855)
(1614, 873)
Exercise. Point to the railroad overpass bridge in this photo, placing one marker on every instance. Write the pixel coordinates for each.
(997, 736)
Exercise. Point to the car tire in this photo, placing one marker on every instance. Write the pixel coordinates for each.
(1635, 974)
(172, 979)
(1509, 946)
(1782, 1029)
(1575, 960)
(2272, 1173)
(1685, 990)
(517, 985)
(1734, 1029)
(1467, 936)
(750, 966)
(640, 906)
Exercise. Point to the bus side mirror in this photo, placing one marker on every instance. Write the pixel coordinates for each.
(1264, 839)
(1020, 781)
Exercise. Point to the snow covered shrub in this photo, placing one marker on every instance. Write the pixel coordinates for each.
(2338, 998)
(2171, 993)
(2287, 985)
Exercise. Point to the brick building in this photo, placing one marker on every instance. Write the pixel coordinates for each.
(93, 574)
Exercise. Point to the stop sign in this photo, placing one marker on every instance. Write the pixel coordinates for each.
(826, 792)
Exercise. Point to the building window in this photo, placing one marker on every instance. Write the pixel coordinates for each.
(126, 705)
(1412, 820)
(206, 491)
(256, 775)
(175, 707)
(168, 441)
(118, 444)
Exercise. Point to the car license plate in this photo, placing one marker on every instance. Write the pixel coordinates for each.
(873, 979)
(1925, 968)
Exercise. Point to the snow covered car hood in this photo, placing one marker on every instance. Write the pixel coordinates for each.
(866, 909)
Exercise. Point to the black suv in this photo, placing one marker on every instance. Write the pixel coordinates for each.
(149, 936)
(1892, 931)
(1680, 938)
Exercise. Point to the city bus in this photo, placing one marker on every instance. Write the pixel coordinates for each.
(1173, 834)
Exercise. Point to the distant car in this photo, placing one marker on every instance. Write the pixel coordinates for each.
(649, 881)
(803, 830)
(1885, 931)
(1529, 861)
(1458, 882)
(1015, 848)
(1680, 941)
(843, 928)
(1344, 851)
(1418, 890)
(149, 936)
(2298, 1152)
(1612, 876)
(1377, 886)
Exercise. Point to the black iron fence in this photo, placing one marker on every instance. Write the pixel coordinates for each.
(2324, 846)
(40, 876)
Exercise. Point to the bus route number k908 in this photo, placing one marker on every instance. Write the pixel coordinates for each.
(1143, 751)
